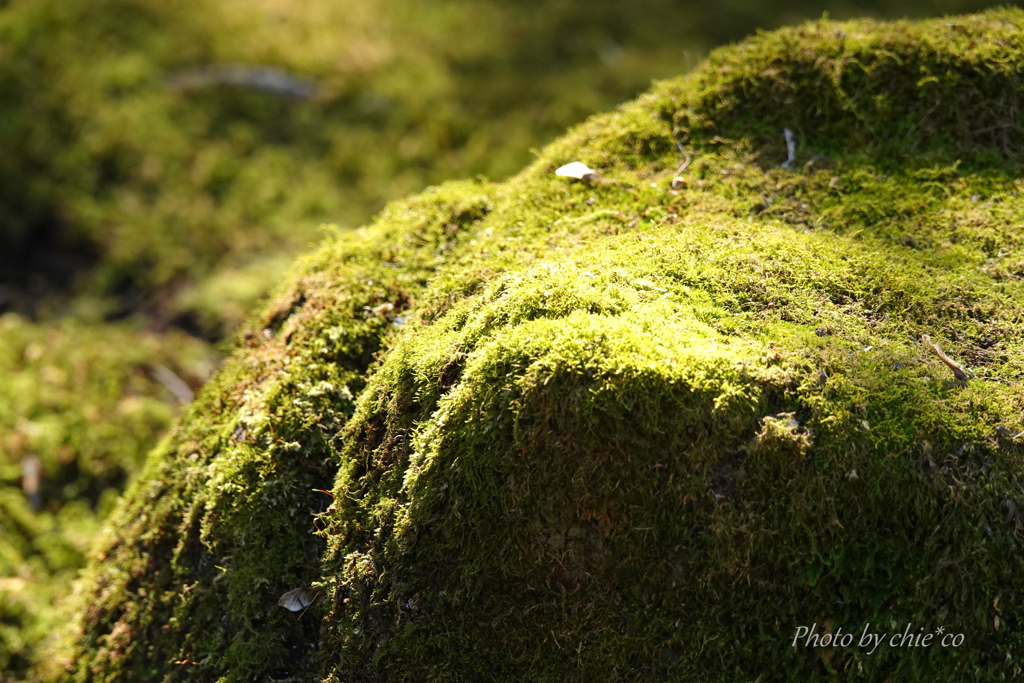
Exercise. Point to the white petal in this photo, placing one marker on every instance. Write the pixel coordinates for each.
(577, 170)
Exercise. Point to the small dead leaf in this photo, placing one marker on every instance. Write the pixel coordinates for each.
(852, 476)
(297, 599)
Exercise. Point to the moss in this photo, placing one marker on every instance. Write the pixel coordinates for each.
(254, 465)
(180, 193)
(126, 195)
(86, 403)
(124, 191)
(614, 431)
(168, 190)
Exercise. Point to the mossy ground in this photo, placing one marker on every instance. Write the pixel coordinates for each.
(87, 405)
(554, 430)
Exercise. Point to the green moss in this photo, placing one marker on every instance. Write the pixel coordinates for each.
(185, 205)
(181, 194)
(254, 465)
(614, 431)
(86, 403)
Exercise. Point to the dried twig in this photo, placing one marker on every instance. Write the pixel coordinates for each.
(686, 156)
(31, 475)
(790, 161)
(678, 182)
(173, 383)
(263, 78)
(957, 369)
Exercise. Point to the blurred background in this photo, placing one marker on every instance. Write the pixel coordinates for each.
(161, 163)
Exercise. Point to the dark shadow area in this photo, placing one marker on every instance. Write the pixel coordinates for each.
(42, 262)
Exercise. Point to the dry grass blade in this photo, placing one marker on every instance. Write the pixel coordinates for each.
(957, 369)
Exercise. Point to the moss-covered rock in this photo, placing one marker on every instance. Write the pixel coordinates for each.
(558, 430)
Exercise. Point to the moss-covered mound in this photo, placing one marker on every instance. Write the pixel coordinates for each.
(171, 158)
(554, 430)
(162, 162)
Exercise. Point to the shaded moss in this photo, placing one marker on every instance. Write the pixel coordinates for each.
(253, 468)
(86, 404)
(614, 431)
